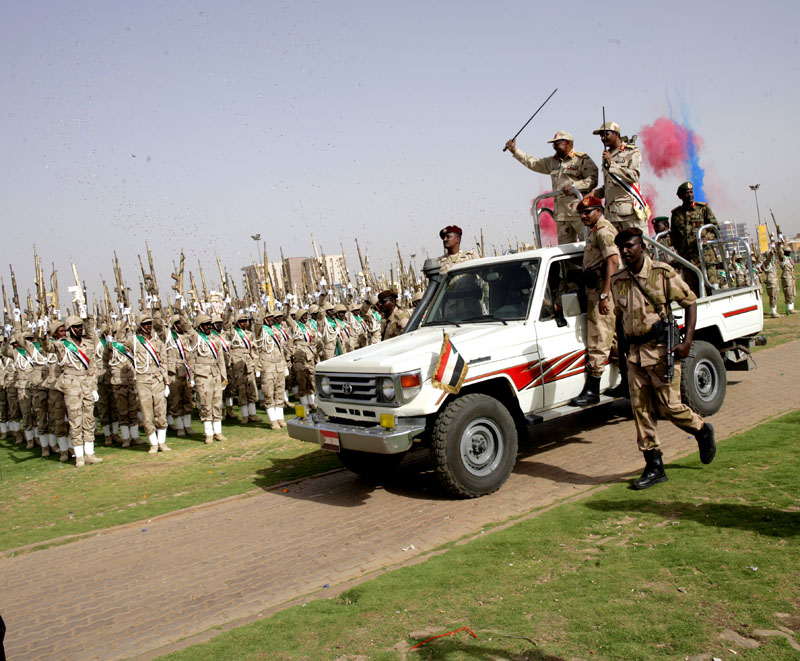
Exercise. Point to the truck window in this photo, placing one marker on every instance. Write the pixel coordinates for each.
(499, 291)
(564, 277)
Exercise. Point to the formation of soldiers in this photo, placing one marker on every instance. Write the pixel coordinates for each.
(128, 379)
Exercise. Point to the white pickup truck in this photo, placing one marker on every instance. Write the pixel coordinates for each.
(526, 360)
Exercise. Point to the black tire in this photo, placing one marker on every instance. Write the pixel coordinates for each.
(474, 446)
(368, 464)
(704, 379)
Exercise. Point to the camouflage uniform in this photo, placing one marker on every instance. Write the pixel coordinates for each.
(149, 361)
(25, 373)
(209, 373)
(626, 163)
(179, 402)
(647, 359)
(600, 327)
(123, 386)
(272, 366)
(304, 339)
(683, 234)
(578, 170)
(373, 321)
(787, 279)
(447, 261)
(244, 356)
(396, 322)
(4, 374)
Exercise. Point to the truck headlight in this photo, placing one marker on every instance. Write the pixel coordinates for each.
(325, 386)
(387, 389)
(411, 384)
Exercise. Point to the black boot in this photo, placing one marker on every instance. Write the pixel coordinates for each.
(620, 390)
(653, 471)
(590, 393)
(706, 443)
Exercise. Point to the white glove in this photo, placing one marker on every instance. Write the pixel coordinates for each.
(166, 391)
(95, 396)
(17, 314)
(109, 338)
(287, 372)
(258, 375)
(191, 383)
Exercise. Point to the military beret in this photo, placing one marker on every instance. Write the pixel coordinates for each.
(589, 202)
(686, 185)
(455, 229)
(627, 234)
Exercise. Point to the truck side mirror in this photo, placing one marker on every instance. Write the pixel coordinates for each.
(570, 305)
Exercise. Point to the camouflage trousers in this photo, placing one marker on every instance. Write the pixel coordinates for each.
(56, 413)
(569, 230)
(209, 397)
(244, 382)
(80, 408)
(40, 412)
(651, 395)
(126, 403)
(600, 332)
(152, 402)
(25, 401)
(772, 295)
(3, 405)
(12, 410)
(305, 379)
(106, 412)
(788, 286)
(273, 386)
(179, 401)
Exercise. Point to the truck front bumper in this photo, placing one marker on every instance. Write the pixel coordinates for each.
(374, 439)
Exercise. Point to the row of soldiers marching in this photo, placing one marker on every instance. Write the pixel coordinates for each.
(60, 378)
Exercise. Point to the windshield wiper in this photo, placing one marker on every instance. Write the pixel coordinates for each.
(486, 317)
(442, 322)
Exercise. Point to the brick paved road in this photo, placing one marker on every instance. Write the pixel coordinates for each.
(138, 588)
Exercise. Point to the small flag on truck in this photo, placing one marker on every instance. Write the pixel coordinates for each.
(451, 370)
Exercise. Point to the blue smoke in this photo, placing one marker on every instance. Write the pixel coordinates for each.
(694, 170)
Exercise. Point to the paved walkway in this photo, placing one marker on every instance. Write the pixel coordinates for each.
(138, 588)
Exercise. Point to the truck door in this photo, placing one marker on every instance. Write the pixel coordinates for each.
(561, 332)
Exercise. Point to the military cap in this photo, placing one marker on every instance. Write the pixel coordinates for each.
(562, 135)
(608, 126)
(660, 219)
(73, 320)
(339, 308)
(55, 325)
(626, 235)
(387, 293)
(201, 319)
(589, 202)
(686, 185)
(455, 229)
(146, 318)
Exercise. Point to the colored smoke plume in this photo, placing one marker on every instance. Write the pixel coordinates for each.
(547, 226)
(674, 149)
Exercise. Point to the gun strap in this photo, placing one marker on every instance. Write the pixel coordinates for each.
(667, 312)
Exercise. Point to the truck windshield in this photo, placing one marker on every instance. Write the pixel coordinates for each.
(495, 291)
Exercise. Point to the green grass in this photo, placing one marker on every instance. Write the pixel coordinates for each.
(785, 328)
(657, 574)
(42, 499)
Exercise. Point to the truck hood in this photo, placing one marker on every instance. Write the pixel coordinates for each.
(420, 349)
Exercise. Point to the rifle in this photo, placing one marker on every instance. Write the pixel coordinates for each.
(193, 290)
(5, 302)
(149, 279)
(54, 285)
(108, 303)
(235, 292)
(152, 270)
(14, 291)
(347, 282)
(777, 227)
(77, 293)
(481, 246)
(203, 280)
(269, 283)
(122, 291)
(177, 276)
(532, 116)
(225, 289)
(402, 274)
(286, 284)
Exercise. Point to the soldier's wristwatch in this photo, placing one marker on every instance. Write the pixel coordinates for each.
(603, 296)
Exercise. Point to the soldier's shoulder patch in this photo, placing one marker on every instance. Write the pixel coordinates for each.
(579, 154)
(662, 266)
(621, 274)
(701, 204)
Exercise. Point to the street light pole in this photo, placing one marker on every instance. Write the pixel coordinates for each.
(755, 188)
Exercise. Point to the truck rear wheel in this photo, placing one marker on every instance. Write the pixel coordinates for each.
(704, 379)
(474, 446)
(368, 464)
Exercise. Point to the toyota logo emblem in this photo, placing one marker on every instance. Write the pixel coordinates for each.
(347, 389)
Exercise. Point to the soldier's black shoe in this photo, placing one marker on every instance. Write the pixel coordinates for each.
(590, 393)
(706, 443)
(653, 471)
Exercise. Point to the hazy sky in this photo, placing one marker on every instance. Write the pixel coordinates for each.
(196, 124)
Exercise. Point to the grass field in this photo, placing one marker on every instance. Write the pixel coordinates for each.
(705, 564)
(43, 499)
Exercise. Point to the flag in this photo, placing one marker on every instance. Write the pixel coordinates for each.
(451, 370)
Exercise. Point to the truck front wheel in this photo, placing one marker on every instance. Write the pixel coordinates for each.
(704, 379)
(474, 446)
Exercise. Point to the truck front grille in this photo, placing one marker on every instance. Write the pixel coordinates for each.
(353, 388)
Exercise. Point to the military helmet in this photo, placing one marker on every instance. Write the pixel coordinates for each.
(216, 318)
(73, 320)
(145, 318)
(55, 325)
(201, 319)
(339, 308)
(313, 309)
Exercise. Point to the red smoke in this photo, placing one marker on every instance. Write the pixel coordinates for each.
(547, 226)
(665, 144)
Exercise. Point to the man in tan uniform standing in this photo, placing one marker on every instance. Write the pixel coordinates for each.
(243, 367)
(151, 382)
(642, 292)
(207, 365)
(79, 385)
(567, 169)
(788, 283)
(451, 241)
(622, 166)
(600, 262)
(271, 364)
